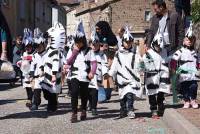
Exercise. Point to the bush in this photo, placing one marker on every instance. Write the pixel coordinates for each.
(196, 11)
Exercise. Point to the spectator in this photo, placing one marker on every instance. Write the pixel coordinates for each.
(3, 43)
(105, 34)
(169, 24)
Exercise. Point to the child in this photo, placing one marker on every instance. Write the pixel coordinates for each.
(25, 63)
(36, 67)
(186, 58)
(157, 80)
(51, 84)
(18, 50)
(125, 66)
(83, 68)
(102, 68)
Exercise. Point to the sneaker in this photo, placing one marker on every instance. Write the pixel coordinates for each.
(33, 107)
(161, 110)
(194, 104)
(186, 104)
(131, 115)
(83, 115)
(74, 118)
(154, 114)
(28, 104)
(94, 112)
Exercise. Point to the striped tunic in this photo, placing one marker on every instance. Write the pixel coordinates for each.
(102, 68)
(52, 65)
(37, 69)
(125, 67)
(82, 65)
(156, 73)
(25, 68)
(188, 61)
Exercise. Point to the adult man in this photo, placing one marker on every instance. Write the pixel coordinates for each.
(169, 24)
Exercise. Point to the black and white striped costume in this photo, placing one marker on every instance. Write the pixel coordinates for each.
(188, 62)
(25, 68)
(102, 68)
(157, 73)
(82, 65)
(52, 65)
(125, 66)
(37, 68)
(53, 58)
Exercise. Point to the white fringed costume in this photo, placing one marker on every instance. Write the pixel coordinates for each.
(156, 69)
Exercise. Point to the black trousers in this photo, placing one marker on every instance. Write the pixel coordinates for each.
(189, 90)
(127, 102)
(52, 100)
(36, 97)
(29, 93)
(79, 88)
(69, 87)
(93, 97)
(156, 101)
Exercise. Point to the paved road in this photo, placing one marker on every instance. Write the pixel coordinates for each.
(15, 118)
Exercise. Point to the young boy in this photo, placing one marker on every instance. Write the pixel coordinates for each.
(157, 80)
(83, 68)
(51, 84)
(125, 66)
(36, 71)
(187, 60)
(102, 68)
(25, 63)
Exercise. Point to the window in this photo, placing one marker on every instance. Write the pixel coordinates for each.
(147, 15)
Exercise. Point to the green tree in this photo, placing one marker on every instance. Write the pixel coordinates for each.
(196, 11)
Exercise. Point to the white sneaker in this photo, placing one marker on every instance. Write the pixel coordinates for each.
(194, 104)
(131, 115)
(186, 104)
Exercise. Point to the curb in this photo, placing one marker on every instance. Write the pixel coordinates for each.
(178, 123)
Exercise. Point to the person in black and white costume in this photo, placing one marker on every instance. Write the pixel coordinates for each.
(25, 63)
(102, 68)
(157, 81)
(37, 70)
(51, 84)
(187, 60)
(83, 68)
(126, 67)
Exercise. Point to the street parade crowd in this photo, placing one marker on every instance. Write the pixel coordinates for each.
(93, 66)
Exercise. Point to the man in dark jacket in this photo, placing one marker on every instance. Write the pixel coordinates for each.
(167, 22)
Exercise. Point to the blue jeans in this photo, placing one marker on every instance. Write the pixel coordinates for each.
(127, 102)
(189, 90)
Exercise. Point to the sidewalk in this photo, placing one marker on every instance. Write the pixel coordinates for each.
(182, 121)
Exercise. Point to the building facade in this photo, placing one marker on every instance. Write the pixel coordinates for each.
(134, 13)
(31, 14)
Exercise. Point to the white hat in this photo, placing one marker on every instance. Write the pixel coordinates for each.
(70, 41)
(189, 32)
(158, 41)
(94, 37)
(38, 36)
(57, 35)
(127, 35)
(79, 33)
(28, 37)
